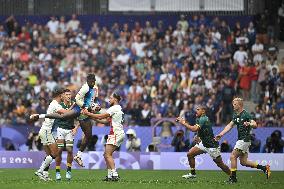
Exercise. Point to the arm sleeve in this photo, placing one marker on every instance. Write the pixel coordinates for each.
(81, 94)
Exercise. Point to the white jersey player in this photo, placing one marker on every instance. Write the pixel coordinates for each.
(116, 135)
(46, 136)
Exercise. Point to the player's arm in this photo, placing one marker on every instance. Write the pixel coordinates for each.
(251, 123)
(193, 128)
(79, 98)
(225, 130)
(95, 116)
(77, 125)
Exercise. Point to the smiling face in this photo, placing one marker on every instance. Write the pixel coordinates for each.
(66, 96)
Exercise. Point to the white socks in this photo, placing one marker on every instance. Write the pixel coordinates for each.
(79, 153)
(45, 163)
(109, 173)
(114, 173)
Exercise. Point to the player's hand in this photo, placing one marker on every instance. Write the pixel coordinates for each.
(34, 117)
(85, 111)
(247, 123)
(218, 137)
(196, 139)
(74, 131)
(180, 120)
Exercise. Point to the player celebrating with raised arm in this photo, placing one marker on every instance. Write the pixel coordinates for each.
(116, 135)
(46, 136)
(84, 99)
(244, 123)
(205, 142)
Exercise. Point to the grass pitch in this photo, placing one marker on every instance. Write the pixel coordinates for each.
(136, 179)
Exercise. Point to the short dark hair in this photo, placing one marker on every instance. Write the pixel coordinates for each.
(91, 77)
(57, 91)
(117, 96)
(67, 90)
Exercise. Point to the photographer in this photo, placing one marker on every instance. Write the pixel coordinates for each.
(179, 142)
(33, 142)
(133, 143)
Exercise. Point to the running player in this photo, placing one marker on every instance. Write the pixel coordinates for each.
(47, 139)
(65, 136)
(84, 99)
(116, 135)
(244, 123)
(207, 144)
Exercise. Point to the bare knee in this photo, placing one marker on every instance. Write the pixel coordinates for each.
(190, 155)
(243, 162)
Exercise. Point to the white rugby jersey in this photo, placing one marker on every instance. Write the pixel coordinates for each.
(116, 119)
(53, 107)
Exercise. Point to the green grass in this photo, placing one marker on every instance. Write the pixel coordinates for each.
(134, 179)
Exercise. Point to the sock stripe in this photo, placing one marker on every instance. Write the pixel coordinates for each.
(233, 169)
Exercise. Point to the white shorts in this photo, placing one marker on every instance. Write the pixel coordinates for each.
(242, 146)
(213, 152)
(64, 134)
(115, 139)
(46, 136)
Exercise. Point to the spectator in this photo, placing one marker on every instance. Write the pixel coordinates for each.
(179, 142)
(52, 24)
(33, 142)
(145, 115)
(274, 143)
(74, 23)
(255, 144)
(133, 143)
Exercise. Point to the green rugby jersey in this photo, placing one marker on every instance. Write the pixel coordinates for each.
(65, 124)
(206, 132)
(243, 131)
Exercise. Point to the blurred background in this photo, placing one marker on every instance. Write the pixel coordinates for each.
(165, 57)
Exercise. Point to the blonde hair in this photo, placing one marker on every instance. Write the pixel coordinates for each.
(239, 100)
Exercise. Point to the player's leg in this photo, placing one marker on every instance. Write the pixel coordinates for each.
(69, 149)
(86, 126)
(219, 162)
(192, 153)
(234, 162)
(109, 149)
(41, 172)
(245, 162)
(58, 159)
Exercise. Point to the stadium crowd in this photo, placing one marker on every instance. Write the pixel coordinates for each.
(162, 71)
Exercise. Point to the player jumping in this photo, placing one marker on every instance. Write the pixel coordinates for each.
(116, 136)
(244, 123)
(206, 142)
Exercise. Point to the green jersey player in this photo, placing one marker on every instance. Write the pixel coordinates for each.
(244, 122)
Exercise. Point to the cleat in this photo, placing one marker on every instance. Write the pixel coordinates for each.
(189, 176)
(34, 117)
(232, 180)
(68, 175)
(107, 179)
(79, 160)
(46, 174)
(267, 171)
(40, 175)
(58, 176)
(115, 178)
